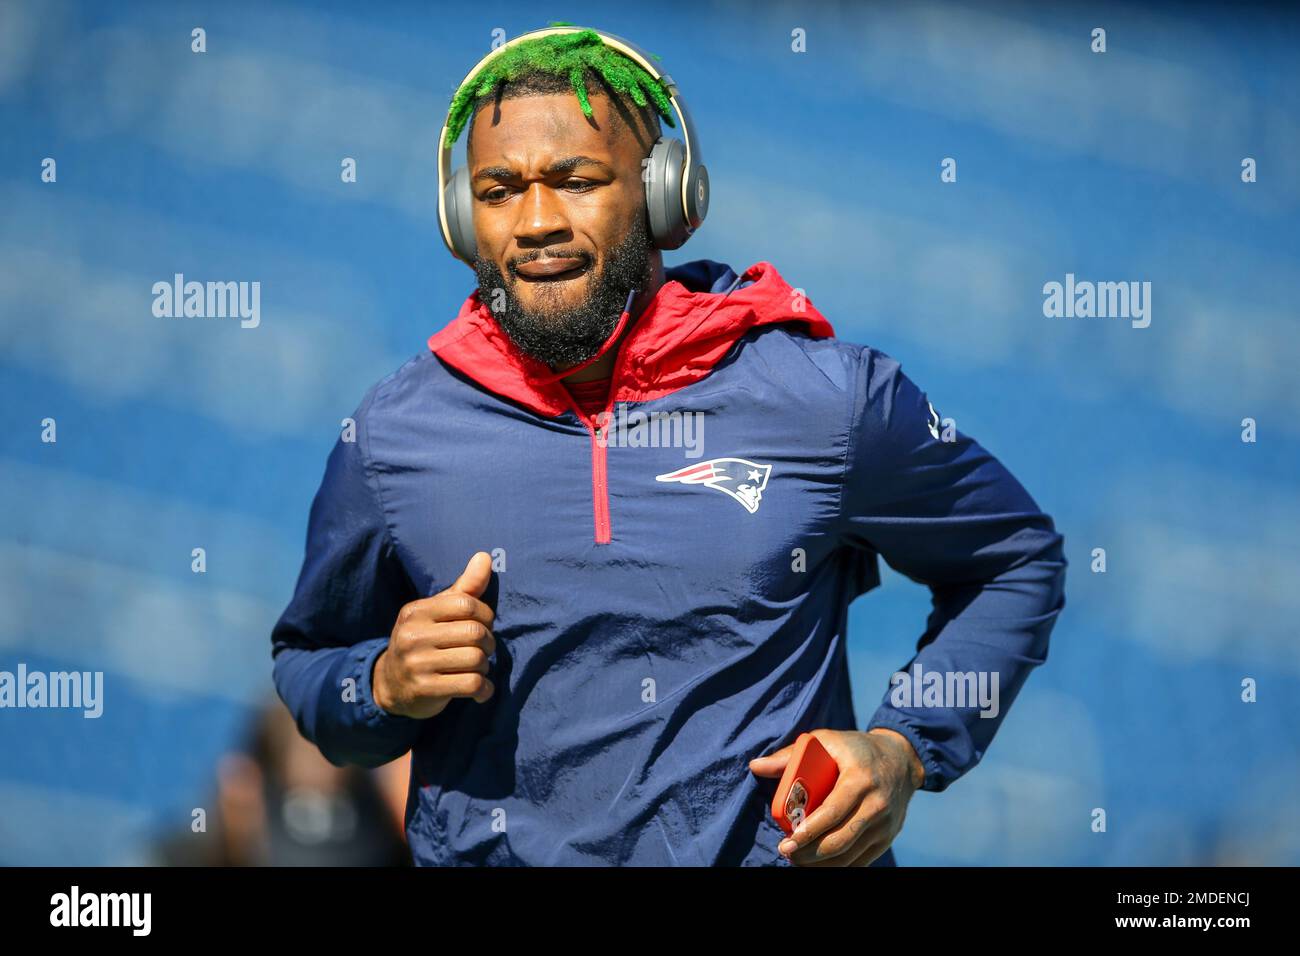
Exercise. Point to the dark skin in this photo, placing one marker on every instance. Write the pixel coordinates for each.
(548, 180)
(535, 194)
(855, 825)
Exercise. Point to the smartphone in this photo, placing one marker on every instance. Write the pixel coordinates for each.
(808, 779)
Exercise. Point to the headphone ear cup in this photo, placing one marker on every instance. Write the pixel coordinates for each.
(697, 198)
(666, 165)
(663, 192)
(458, 204)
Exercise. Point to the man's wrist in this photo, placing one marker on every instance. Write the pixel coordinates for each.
(916, 768)
(377, 685)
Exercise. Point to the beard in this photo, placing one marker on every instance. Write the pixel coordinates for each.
(566, 336)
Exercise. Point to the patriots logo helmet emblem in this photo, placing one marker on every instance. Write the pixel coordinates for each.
(740, 479)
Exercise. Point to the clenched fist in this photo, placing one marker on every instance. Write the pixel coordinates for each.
(439, 648)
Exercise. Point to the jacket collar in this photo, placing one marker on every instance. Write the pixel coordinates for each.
(682, 333)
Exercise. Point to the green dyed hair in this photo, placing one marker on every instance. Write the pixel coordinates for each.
(559, 56)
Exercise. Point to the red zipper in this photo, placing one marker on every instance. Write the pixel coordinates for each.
(599, 483)
(599, 472)
(599, 469)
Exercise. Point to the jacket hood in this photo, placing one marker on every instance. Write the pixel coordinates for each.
(693, 320)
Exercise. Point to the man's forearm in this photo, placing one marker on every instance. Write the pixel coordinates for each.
(997, 632)
(328, 691)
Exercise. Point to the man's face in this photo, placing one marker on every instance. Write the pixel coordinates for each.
(559, 217)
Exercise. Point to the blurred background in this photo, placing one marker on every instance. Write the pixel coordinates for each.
(182, 433)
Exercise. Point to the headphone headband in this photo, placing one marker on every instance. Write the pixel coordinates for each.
(670, 227)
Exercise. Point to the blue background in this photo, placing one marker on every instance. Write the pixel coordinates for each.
(183, 433)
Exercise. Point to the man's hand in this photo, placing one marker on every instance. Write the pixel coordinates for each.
(879, 772)
(439, 648)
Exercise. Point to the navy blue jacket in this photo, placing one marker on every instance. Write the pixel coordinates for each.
(663, 613)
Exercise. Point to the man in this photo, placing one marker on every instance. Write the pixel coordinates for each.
(625, 637)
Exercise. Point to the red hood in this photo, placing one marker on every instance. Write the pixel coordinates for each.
(678, 338)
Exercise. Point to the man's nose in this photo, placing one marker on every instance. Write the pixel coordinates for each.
(541, 218)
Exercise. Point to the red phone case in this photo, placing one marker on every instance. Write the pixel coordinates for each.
(808, 779)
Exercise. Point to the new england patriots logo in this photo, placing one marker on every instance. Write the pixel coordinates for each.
(741, 479)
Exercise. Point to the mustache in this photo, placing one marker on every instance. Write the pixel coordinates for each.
(581, 254)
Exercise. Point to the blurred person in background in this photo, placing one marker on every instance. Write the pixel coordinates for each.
(278, 802)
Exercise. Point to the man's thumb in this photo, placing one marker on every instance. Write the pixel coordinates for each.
(476, 576)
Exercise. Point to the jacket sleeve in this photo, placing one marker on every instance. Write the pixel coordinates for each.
(947, 514)
(349, 592)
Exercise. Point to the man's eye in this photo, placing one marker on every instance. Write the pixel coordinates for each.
(498, 193)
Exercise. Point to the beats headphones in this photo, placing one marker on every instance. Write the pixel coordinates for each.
(676, 182)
